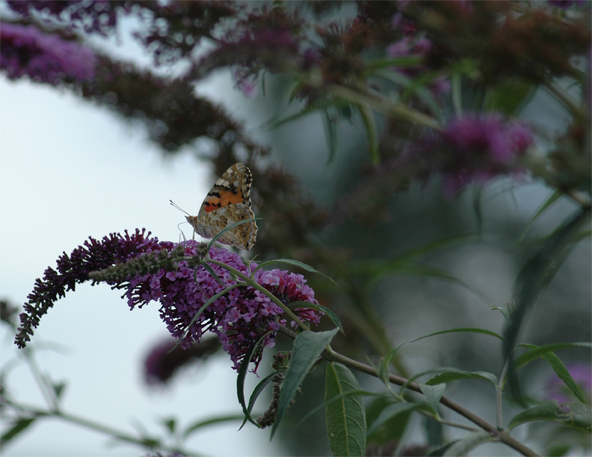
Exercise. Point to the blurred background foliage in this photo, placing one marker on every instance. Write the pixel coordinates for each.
(408, 258)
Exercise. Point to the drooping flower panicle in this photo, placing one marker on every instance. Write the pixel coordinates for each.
(150, 270)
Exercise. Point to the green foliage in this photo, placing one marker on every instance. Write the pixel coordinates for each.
(573, 415)
(469, 442)
(308, 347)
(346, 418)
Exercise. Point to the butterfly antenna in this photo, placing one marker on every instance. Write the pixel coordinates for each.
(177, 206)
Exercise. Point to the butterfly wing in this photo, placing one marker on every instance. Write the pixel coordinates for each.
(228, 202)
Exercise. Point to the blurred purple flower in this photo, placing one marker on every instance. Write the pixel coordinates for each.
(581, 374)
(167, 357)
(472, 148)
(25, 51)
(564, 4)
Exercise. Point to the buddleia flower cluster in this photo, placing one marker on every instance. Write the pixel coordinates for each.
(173, 275)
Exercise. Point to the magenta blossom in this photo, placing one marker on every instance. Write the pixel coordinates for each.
(173, 275)
(240, 317)
(25, 51)
(472, 148)
(564, 4)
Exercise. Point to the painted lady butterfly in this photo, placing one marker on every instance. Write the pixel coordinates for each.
(228, 202)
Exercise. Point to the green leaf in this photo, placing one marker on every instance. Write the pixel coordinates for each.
(308, 347)
(255, 394)
(456, 92)
(294, 263)
(242, 375)
(441, 450)
(336, 398)
(509, 97)
(394, 410)
(574, 415)
(461, 330)
(20, 426)
(345, 419)
(371, 133)
(561, 371)
(211, 421)
(383, 429)
(385, 364)
(454, 375)
(534, 276)
(330, 314)
(539, 351)
(170, 424)
(433, 394)
(548, 203)
(331, 135)
(462, 447)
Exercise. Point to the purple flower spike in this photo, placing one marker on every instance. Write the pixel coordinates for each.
(173, 275)
(25, 51)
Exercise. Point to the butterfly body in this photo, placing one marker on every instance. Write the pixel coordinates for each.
(228, 202)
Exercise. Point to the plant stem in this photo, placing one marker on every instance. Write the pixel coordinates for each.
(503, 436)
(565, 99)
(498, 397)
(389, 108)
(149, 443)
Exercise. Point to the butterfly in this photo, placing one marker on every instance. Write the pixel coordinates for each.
(228, 202)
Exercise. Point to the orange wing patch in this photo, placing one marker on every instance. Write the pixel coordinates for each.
(220, 198)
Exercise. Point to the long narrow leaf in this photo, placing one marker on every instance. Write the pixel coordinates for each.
(539, 351)
(242, 375)
(19, 427)
(555, 362)
(371, 132)
(211, 421)
(533, 278)
(548, 203)
(330, 314)
(462, 447)
(294, 263)
(461, 330)
(573, 415)
(308, 347)
(346, 419)
(393, 411)
(259, 388)
(455, 375)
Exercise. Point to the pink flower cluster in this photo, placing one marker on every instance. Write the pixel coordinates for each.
(240, 317)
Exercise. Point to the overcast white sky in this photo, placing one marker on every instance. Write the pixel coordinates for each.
(69, 170)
